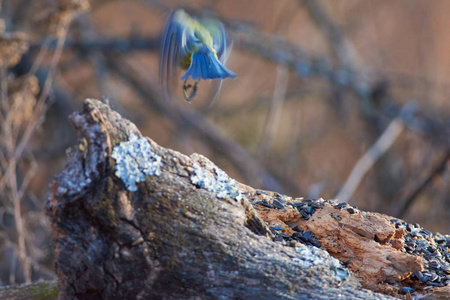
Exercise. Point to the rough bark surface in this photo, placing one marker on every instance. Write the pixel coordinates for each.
(185, 232)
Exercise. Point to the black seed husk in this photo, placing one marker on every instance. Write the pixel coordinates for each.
(277, 204)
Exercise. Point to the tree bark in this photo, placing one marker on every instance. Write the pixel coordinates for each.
(133, 220)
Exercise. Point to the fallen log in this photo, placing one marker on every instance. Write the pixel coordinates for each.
(133, 220)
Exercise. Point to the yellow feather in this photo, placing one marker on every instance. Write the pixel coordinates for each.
(186, 61)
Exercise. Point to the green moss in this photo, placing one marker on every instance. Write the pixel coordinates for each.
(36, 291)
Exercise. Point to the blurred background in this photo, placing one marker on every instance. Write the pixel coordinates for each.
(346, 99)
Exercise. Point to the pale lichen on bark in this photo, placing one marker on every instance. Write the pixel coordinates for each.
(135, 160)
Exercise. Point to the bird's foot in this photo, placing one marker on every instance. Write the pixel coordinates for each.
(190, 95)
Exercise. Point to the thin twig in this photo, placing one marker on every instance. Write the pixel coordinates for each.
(11, 182)
(91, 45)
(340, 45)
(4, 105)
(23, 257)
(27, 179)
(40, 108)
(366, 162)
(439, 168)
(40, 57)
(38, 113)
(276, 106)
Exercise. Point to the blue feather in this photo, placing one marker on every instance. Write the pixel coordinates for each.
(205, 65)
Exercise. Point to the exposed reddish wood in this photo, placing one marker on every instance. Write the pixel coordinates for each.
(363, 241)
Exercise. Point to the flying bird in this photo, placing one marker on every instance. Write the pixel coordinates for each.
(197, 45)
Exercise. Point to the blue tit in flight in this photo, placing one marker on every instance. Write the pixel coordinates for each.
(197, 45)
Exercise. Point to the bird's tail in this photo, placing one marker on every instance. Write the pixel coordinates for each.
(205, 65)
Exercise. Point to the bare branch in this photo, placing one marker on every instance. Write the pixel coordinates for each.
(408, 200)
(275, 110)
(366, 162)
(343, 50)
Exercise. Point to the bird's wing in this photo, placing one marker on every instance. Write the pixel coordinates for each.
(173, 47)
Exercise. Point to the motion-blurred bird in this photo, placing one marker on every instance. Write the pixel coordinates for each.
(197, 45)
